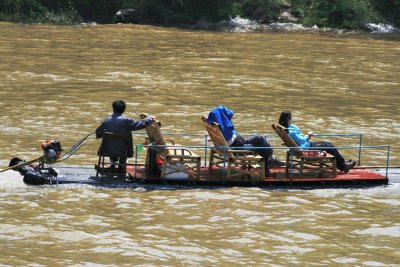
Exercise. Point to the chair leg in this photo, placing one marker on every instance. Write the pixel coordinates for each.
(124, 168)
(211, 160)
(288, 163)
(321, 170)
(164, 169)
(301, 167)
(262, 170)
(98, 166)
(147, 166)
(334, 167)
(102, 166)
(198, 169)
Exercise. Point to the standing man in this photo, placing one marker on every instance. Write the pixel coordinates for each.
(121, 126)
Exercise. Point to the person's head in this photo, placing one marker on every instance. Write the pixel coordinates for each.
(119, 106)
(220, 114)
(226, 111)
(285, 118)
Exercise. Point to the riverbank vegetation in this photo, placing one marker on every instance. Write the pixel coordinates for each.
(344, 14)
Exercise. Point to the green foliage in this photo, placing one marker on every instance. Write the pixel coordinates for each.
(102, 11)
(213, 10)
(347, 14)
(56, 5)
(60, 12)
(21, 10)
(389, 10)
(168, 12)
(261, 10)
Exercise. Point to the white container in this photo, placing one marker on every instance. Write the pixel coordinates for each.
(177, 175)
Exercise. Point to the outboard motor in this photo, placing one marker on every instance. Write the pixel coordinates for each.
(52, 150)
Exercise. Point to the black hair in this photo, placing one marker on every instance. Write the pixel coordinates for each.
(15, 161)
(119, 106)
(286, 115)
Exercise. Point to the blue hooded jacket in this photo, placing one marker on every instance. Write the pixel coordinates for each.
(223, 115)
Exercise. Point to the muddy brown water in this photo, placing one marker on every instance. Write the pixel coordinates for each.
(58, 82)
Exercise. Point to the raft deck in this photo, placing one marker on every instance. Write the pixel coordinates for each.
(355, 176)
(138, 176)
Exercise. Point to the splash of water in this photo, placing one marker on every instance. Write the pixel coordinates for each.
(381, 28)
(238, 24)
(391, 191)
(11, 180)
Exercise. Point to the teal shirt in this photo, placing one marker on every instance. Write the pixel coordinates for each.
(300, 139)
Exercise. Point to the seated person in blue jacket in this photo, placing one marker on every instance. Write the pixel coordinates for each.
(121, 125)
(223, 116)
(303, 141)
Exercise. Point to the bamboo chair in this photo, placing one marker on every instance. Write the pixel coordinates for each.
(305, 162)
(238, 164)
(176, 159)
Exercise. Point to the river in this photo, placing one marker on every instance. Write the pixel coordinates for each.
(59, 81)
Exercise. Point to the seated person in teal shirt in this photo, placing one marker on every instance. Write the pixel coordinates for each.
(303, 141)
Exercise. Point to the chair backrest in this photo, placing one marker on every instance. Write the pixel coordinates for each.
(155, 135)
(218, 139)
(120, 142)
(287, 140)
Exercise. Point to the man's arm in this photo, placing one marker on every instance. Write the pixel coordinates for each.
(100, 131)
(140, 124)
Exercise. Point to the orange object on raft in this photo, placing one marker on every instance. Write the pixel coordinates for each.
(52, 150)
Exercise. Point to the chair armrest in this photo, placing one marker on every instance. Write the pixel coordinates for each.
(179, 151)
(240, 152)
(170, 140)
